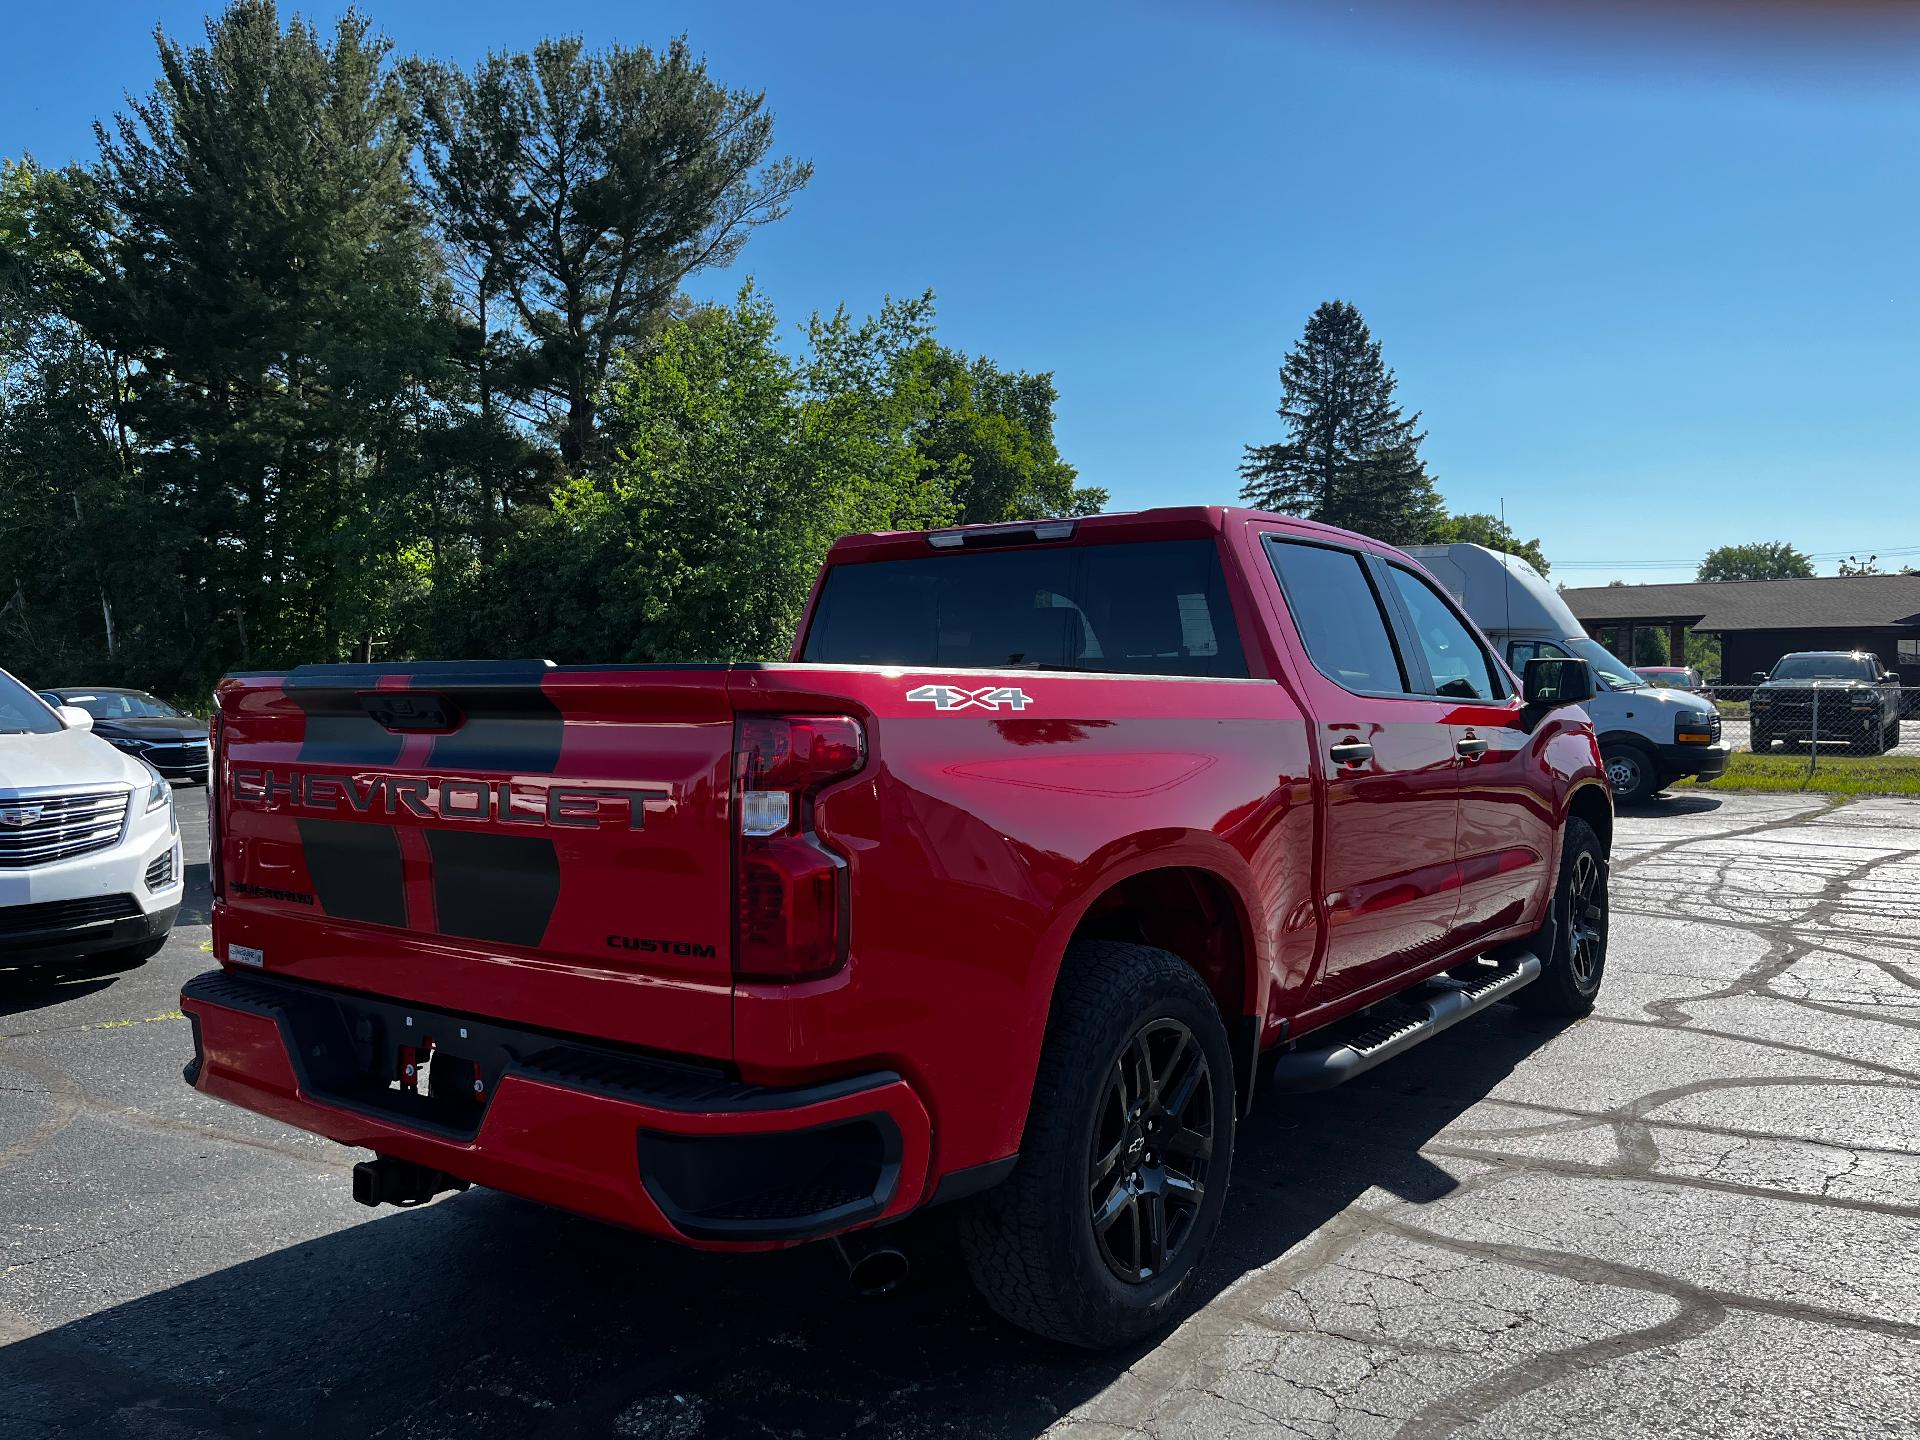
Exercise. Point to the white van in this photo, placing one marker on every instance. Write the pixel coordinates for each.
(90, 861)
(1650, 736)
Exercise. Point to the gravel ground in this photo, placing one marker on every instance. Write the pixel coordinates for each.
(1696, 1213)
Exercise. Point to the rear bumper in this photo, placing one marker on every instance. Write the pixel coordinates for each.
(678, 1151)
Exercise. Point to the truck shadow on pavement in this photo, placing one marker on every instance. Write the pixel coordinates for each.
(483, 1315)
(1684, 802)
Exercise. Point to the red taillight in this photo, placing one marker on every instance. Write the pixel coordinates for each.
(792, 889)
(216, 872)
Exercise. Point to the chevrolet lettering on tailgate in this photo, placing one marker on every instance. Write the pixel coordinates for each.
(585, 807)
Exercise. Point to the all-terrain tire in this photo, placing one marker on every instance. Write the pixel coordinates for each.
(1030, 1242)
(1574, 964)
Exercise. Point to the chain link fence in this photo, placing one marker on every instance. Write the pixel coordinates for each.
(1821, 723)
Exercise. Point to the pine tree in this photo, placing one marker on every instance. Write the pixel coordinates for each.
(579, 189)
(250, 246)
(1351, 458)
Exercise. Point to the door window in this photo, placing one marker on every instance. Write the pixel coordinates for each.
(1339, 616)
(1521, 651)
(1460, 667)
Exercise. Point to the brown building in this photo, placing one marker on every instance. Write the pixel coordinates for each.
(1758, 621)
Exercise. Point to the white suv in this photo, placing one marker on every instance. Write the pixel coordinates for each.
(90, 861)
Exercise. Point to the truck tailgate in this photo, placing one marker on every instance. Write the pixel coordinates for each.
(498, 840)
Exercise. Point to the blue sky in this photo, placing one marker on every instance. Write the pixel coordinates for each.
(1656, 289)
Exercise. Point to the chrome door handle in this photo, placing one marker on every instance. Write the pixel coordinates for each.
(1352, 752)
(1469, 746)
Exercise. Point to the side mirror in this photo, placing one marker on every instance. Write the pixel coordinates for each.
(1759, 677)
(1551, 683)
(74, 718)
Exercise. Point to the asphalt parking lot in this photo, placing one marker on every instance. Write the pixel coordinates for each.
(1696, 1213)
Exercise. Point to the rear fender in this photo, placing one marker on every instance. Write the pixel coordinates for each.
(1143, 854)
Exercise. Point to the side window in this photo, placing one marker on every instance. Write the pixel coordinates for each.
(1521, 651)
(1459, 664)
(1339, 616)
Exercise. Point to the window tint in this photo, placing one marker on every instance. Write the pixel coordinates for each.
(1521, 651)
(21, 712)
(1338, 616)
(1611, 672)
(1460, 666)
(1151, 608)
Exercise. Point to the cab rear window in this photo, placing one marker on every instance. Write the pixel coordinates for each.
(1142, 608)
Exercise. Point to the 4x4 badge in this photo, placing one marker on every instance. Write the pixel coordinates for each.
(987, 697)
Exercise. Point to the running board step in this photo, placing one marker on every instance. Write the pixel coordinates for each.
(1376, 1036)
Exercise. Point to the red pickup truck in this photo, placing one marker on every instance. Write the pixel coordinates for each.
(1049, 840)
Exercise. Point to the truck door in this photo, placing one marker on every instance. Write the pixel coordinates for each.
(1388, 868)
(1506, 825)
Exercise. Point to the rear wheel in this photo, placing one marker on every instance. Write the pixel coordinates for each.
(1576, 960)
(1097, 1235)
(1629, 773)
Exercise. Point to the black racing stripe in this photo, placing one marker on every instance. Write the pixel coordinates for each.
(356, 870)
(514, 729)
(339, 731)
(338, 728)
(494, 887)
(506, 721)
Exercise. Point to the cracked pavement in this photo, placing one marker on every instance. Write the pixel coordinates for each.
(1695, 1213)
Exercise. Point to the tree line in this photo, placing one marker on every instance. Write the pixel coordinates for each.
(1351, 455)
(333, 354)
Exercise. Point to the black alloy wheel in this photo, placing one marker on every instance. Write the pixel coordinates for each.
(1147, 1173)
(1573, 949)
(1098, 1235)
(1587, 920)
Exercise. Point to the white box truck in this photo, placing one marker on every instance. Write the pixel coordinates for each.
(1650, 736)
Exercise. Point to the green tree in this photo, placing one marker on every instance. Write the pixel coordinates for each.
(1703, 654)
(251, 254)
(66, 504)
(580, 189)
(1490, 531)
(1351, 458)
(736, 466)
(989, 441)
(1760, 560)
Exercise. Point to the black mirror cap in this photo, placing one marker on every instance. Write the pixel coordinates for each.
(1759, 677)
(1550, 683)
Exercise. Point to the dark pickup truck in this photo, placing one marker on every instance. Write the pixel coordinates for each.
(1827, 695)
(1051, 845)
